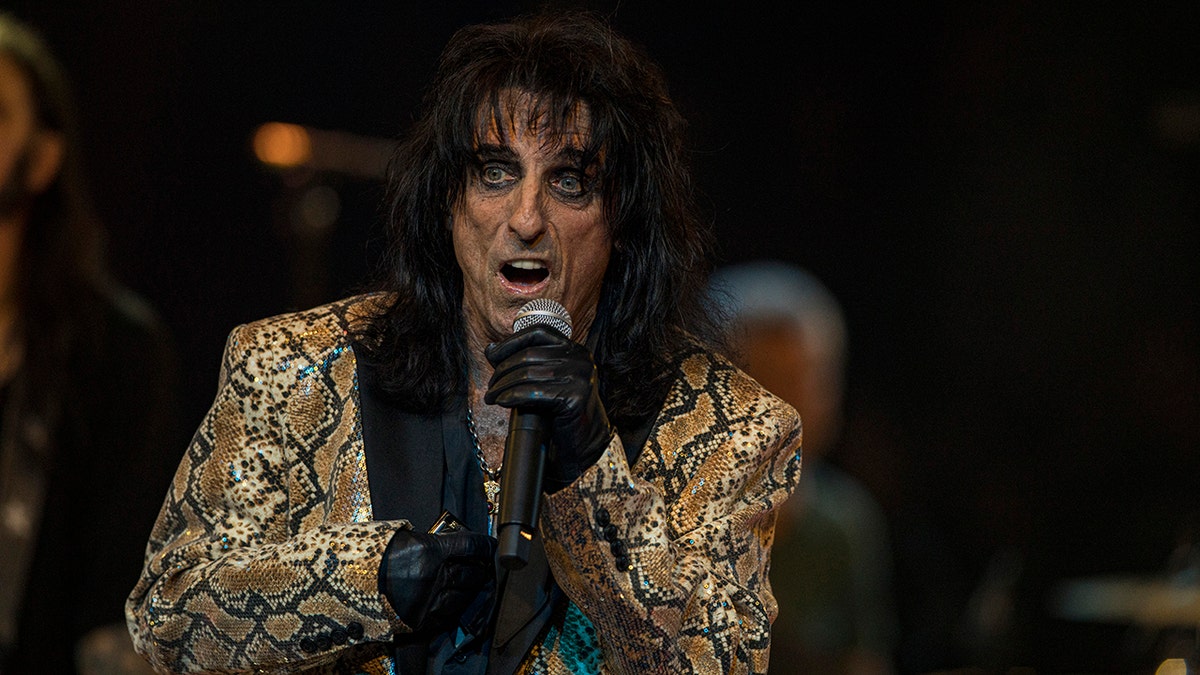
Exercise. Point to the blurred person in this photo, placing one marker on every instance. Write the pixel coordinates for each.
(546, 163)
(831, 565)
(86, 394)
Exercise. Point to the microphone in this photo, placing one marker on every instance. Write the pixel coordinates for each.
(525, 452)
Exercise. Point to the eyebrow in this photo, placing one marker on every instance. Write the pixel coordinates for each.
(569, 154)
(495, 151)
(573, 154)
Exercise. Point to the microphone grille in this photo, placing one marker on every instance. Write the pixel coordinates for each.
(543, 311)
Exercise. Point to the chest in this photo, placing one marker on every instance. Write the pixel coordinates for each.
(490, 430)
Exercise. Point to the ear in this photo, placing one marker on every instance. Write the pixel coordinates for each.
(45, 160)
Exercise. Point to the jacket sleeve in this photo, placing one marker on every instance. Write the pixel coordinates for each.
(669, 561)
(249, 566)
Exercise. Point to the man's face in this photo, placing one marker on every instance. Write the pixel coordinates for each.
(530, 224)
(16, 132)
(798, 368)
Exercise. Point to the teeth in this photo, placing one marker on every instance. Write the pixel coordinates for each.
(527, 265)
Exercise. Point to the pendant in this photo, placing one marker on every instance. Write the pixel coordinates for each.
(491, 492)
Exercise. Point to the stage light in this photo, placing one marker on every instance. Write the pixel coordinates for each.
(282, 144)
(291, 146)
(1172, 667)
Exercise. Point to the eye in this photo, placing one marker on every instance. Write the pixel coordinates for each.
(493, 174)
(570, 184)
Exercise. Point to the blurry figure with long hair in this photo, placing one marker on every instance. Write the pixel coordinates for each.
(87, 399)
(831, 564)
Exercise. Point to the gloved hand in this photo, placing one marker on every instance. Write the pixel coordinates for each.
(540, 370)
(430, 579)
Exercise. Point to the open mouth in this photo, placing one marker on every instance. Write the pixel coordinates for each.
(525, 272)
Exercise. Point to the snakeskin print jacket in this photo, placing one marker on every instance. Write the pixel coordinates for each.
(265, 556)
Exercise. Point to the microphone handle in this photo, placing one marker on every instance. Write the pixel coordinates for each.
(521, 485)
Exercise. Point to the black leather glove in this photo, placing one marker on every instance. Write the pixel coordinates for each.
(540, 370)
(430, 579)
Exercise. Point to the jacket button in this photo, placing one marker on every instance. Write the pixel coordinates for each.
(339, 636)
(618, 548)
(324, 642)
(354, 630)
(308, 645)
(610, 532)
(602, 517)
(622, 563)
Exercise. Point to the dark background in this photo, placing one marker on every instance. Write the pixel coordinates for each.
(1004, 197)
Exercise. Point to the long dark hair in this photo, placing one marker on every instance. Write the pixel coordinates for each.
(651, 306)
(60, 262)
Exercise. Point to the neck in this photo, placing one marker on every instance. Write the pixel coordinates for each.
(11, 230)
(10, 247)
(11, 345)
(480, 370)
(12, 348)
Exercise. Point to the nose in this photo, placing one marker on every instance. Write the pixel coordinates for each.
(528, 220)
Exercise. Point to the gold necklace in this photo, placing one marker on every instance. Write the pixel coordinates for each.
(491, 482)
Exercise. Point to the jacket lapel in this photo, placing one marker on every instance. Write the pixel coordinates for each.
(404, 455)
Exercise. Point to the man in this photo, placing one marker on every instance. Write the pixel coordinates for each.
(831, 564)
(86, 393)
(546, 164)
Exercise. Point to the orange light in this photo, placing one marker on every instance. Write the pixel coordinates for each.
(282, 144)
